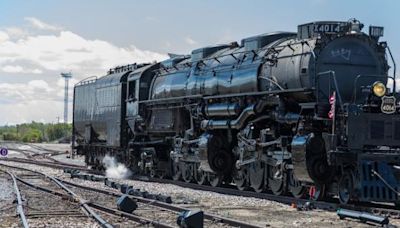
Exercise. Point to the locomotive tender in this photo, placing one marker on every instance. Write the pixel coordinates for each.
(305, 113)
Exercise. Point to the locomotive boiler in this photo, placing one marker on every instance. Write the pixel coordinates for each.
(311, 113)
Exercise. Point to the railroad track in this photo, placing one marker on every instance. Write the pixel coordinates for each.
(53, 152)
(333, 205)
(150, 212)
(18, 199)
(56, 165)
(33, 152)
(378, 209)
(34, 155)
(93, 209)
(42, 194)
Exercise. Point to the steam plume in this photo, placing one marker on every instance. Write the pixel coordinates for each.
(115, 169)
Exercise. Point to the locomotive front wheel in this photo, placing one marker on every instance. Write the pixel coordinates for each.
(346, 186)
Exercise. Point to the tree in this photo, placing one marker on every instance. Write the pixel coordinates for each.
(58, 131)
(35, 132)
(32, 135)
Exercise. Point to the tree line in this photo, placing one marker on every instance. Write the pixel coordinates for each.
(36, 132)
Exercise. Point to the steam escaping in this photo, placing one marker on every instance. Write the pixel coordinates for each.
(115, 169)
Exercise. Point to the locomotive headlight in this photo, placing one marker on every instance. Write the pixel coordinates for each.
(379, 89)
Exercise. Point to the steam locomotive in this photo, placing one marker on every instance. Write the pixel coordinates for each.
(308, 113)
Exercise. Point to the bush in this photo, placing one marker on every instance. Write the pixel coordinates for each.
(58, 131)
(10, 136)
(32, 135)
(35, 132)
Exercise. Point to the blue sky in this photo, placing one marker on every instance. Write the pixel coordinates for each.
(119, 32)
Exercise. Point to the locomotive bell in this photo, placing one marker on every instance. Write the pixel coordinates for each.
(355, 26)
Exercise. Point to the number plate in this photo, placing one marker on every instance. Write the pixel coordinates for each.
(327, 28)
(388, 105)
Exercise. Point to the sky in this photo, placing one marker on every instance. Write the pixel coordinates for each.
(39, 39)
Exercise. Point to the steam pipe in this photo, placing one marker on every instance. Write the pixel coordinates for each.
(238, 123)
(225, 124)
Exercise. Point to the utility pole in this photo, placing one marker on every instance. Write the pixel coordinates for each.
(66, 77)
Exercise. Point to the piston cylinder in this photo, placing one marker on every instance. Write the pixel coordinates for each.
(225, 109)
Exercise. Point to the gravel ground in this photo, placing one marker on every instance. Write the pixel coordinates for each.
(34, 148)
(46, 210)
(143, 210)
(257, 211)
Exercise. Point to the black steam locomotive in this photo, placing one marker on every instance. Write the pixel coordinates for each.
(312, 112)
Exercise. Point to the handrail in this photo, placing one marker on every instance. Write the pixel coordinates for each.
(370, 76)
(81, 82)
(332, 74)
(394, 69)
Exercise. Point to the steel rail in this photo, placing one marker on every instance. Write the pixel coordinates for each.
(288, 200)
(50, 164)
(31, 145)
(99, 207)
(83, 203)
(167, 206)
(20, 208)
(376, 208)
(34, 154)
(324, 205)
(138, 219)
(72, 195)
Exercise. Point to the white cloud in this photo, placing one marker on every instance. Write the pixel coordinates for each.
(36, 100)
(39, 84)
(190, 41)
(26, 92)
(3, 37)
(36, 23)
(12, 69)
(69, 51)
(31, 54)
(36, 71)
(39, 110)
(19, 69)
(16, 32)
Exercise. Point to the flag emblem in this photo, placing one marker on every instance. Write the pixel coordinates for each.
(332, 102)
